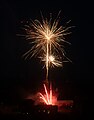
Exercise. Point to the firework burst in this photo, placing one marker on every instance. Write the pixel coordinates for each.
(46, 38)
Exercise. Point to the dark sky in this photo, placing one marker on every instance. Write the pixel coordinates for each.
(15, 72)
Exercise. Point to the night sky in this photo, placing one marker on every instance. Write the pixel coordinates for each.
(18, 75)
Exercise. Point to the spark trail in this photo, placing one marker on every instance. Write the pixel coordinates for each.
(47, 97)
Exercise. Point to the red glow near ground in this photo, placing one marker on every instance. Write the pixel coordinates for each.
(48, 97)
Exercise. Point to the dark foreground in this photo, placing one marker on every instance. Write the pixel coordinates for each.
(57, 116)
